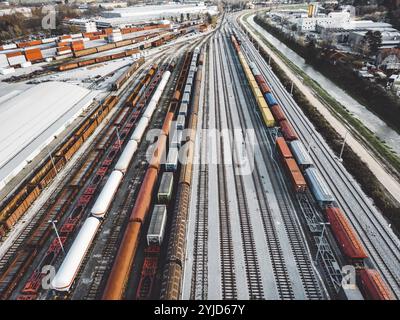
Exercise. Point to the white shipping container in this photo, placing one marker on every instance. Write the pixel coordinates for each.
(76, 35)
(26, 64)
(13, 61)
(64, 52)
(49, 40)
(9, 46)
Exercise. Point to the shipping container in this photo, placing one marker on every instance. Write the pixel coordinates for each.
(296, 177)
(183, 109)
(155, 234)
(172, 159)
(319, 188)
(270, 99)
(283, 148)
(180, 122)
(166, 186)
(300, 154)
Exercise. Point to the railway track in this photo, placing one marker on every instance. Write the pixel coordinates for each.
(372, 231)
(254, 281)
(40, 219)
(228, 277)
(296, 238)
(199, 286)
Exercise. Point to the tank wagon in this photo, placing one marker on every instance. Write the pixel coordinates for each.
(70, 266)
(116, 282)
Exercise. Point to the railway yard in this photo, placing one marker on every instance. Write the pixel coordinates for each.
(187, 172)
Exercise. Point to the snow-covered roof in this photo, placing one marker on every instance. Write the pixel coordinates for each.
(31, 119)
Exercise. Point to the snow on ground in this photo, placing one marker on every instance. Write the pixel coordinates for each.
(32, 119)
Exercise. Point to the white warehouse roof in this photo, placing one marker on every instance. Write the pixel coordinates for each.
(31, 119)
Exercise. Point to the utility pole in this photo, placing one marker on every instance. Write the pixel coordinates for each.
(291, 89)
(269, 60)
(344, 142)
(53, 222)
(52, 160)
(320, 239)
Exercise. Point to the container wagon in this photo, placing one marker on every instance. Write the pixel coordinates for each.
(155, 233)
(166, 186)
(172, 159)
(301, 155)
(318, 188)
(180, 122)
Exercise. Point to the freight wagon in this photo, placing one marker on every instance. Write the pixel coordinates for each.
(155, 233)
(172, 159)
(180, 122)
(301, 155)
(166, 186)
(318, 188)
(345, 236)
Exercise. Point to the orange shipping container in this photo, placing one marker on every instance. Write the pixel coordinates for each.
(33, 54)
(296, 177)
(13, 54)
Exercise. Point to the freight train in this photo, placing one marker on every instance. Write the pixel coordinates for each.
(19, 202)
(70, 266)
(123, 262)
(106, 47)
(84, 63)
(298, 164)
(173, 269)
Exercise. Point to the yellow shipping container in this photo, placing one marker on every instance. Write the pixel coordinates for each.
(268, 118)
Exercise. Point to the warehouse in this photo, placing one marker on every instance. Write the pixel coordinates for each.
(32, 118)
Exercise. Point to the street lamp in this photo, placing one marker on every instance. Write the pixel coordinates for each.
(341, 150)
(53, 222)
